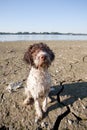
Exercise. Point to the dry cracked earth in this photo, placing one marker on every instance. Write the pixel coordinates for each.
(68, 109)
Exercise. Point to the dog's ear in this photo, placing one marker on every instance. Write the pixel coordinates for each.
(28, 56)
(51, 54)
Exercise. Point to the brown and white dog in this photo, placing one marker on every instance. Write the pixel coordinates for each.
(39, 56)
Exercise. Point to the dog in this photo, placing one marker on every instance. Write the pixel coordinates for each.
(40, 57)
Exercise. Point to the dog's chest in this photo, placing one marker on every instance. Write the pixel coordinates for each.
(39, 80)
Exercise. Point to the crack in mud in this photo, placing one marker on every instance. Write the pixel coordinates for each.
(84, 59)
(61, 116)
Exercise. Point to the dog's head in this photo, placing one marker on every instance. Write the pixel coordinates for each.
(39, 55)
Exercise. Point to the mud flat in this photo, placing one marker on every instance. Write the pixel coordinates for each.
(69, 69)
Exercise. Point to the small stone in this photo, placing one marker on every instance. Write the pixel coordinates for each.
(79, 99)
(44, 124)
(57, 71)
(70, 122)
(83, 106)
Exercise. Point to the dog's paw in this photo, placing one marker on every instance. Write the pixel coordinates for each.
(38, 117)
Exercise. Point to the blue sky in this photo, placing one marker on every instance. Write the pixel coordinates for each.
(43, 16)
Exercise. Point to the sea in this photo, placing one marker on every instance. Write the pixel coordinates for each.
(33, 37)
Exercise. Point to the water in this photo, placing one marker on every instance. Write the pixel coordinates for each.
(41, 37)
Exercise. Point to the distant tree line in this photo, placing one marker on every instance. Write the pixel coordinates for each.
(40, 33)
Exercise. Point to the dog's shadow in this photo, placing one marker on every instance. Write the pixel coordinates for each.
(72, 91)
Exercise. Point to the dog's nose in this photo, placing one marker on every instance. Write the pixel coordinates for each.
(43, 57)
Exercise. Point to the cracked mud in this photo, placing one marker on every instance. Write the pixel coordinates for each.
(68, 109)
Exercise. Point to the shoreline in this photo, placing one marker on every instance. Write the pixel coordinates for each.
(41, 37)
(45, 40)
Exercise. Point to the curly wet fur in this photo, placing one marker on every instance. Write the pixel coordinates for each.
(39, 56)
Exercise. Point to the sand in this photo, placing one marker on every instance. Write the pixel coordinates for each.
(68, 68)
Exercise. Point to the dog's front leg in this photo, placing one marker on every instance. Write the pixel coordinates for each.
(28, 100)
(38, 110)
(44, 105)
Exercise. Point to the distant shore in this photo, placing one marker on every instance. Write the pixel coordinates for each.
(39, 33)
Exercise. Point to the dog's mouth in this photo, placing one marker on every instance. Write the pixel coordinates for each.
(44, 60)
(44, 64)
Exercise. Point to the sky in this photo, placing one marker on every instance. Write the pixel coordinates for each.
(43, 16)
